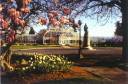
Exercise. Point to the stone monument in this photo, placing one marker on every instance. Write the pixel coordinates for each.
(86, 39)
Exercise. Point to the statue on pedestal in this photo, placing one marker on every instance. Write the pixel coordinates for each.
(86, 39)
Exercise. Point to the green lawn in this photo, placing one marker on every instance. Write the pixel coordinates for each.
(28, 46)
(31, 46)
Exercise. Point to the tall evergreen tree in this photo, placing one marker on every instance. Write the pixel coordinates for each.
(32, 31)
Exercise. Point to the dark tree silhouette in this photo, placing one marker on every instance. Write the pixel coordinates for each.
(32, 31)
(119, 30)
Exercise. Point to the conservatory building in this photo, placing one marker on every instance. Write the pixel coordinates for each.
(61, 36)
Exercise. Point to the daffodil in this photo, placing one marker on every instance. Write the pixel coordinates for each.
(23, 68)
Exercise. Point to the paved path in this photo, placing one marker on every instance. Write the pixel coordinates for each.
(114, 74)
(100, 52)
(51, 51)
(76, 50)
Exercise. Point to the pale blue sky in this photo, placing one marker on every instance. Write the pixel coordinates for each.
(95, 28)
(98, 29)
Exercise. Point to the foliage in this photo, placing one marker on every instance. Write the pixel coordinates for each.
(39, 63)
(111, 42)
(32, 31)
(40, 35)
(119, 30)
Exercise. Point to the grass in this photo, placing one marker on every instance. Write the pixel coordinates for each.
(31, 46)
(28, 46)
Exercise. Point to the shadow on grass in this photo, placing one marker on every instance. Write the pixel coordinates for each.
(78, 80)
(103, 62)
(75, 81)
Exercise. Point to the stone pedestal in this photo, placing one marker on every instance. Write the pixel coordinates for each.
(86, 44)
(86, 39)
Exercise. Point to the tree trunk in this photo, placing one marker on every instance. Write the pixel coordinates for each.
(5, 59)
(124, 11)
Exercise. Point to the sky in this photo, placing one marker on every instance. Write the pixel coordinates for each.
(95, 29)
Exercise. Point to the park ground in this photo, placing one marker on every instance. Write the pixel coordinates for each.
(99, 66)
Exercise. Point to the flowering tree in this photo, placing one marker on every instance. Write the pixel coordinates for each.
(15, 15)
(11, 18)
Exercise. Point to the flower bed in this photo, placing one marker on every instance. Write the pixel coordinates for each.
(38, 63)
